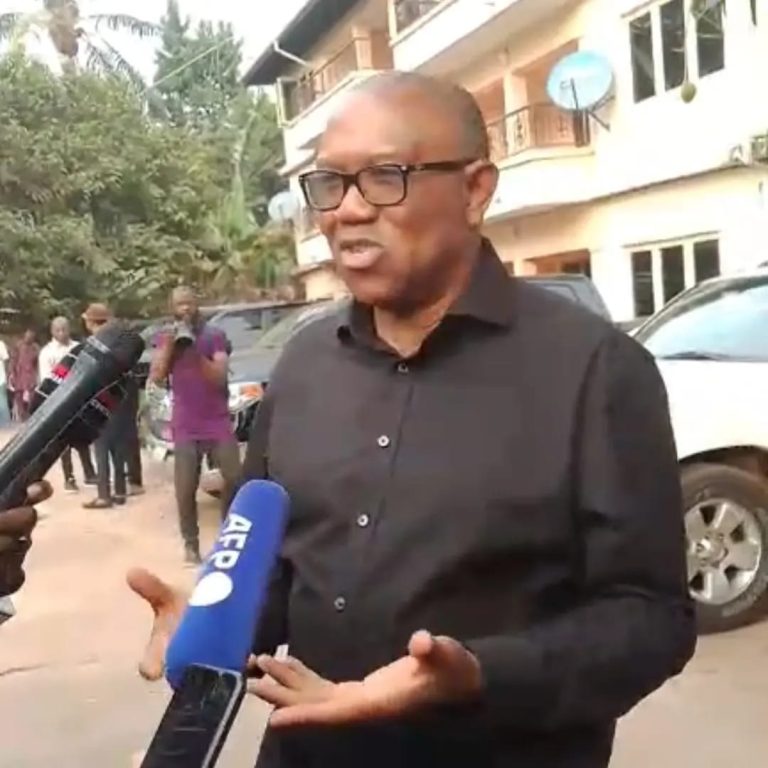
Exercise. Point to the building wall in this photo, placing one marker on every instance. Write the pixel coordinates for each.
(322, 283)
(658, 139)
(731, 206)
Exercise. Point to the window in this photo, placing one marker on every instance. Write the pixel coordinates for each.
(660, 273)
(706, 259)
(710, 41)
(672, 271)
(673, 43)
(642, 283)
(725, 320)
(641, 43)
(660, 33)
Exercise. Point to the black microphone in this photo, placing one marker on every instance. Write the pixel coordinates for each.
(75, 408)
(89, 422)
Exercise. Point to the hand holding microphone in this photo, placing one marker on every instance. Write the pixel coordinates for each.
(209, 641)
(70, 408)
(16, 527)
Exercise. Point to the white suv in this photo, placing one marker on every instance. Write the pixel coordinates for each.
(711, 344)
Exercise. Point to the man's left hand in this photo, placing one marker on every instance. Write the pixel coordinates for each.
(436, 671)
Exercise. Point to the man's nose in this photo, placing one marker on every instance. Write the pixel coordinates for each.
(354, 207)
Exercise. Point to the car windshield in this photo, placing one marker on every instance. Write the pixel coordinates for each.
(280, 332)
(717, 320)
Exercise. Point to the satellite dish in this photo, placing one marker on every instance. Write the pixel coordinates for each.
(581, 82)
(283, 207)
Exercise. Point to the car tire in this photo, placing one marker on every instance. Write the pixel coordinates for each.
(704, 483)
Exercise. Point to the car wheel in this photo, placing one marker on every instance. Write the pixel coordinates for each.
(726, 525)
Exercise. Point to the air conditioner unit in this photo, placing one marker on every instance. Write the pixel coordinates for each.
(759, 148)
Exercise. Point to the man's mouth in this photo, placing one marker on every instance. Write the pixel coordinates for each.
(359, 253)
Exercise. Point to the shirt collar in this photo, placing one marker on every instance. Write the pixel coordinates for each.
(488, 298)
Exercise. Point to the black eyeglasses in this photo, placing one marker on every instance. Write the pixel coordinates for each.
(380, 185)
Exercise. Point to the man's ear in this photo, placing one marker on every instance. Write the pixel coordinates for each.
(482, 180)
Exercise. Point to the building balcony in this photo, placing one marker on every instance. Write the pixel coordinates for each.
(545, 160)
(408, 12)
(442, 36)
(536, 126)
(309, 100)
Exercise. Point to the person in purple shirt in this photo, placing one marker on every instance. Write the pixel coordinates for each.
(196, 362)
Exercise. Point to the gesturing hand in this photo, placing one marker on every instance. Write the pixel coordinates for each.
(437, 670)
(168, 605)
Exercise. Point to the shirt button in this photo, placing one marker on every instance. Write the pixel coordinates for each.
(363, 520)
(339, 604)
(383, 441)
(402, 368)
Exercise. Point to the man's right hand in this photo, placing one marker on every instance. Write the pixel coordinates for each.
(168, 605)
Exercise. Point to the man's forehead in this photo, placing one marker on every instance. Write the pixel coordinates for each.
(387, 125)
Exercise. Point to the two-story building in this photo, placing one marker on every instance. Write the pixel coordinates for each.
(654, 195)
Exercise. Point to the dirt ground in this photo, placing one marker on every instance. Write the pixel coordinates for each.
(70, 696)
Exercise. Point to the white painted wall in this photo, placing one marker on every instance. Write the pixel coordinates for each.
(731, 205)
(454, 24)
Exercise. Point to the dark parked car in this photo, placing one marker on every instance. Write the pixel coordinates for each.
(578, 288)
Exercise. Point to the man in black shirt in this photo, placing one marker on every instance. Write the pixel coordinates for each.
(484, 564)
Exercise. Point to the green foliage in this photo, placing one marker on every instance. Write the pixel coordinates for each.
(100, 201)
(197, 74)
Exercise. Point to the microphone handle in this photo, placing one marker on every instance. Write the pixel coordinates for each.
(197, 720)
(14, 494)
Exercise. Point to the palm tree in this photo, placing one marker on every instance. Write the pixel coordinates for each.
(75, 37)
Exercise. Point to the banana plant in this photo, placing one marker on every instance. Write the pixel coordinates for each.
(253, 256)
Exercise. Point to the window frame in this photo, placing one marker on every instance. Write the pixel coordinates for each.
(657, 43)
(656, 248)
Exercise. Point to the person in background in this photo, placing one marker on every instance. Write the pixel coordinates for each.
(5, 412)
(196, 361)
(50, 355)
(110, 445)
(24, 373)
(133, 443)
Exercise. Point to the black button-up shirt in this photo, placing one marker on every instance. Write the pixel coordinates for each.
(514, 485)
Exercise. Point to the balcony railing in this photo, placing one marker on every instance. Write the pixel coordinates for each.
(408, 12)
(537, 126)
(301, 94)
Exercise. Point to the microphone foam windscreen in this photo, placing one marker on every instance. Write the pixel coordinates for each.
(219, 625)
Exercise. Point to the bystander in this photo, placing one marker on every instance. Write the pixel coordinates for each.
(110, 445)
(50, 355)
(23, 378)
(194, 356)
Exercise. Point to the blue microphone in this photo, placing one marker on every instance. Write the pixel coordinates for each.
(219, 625)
